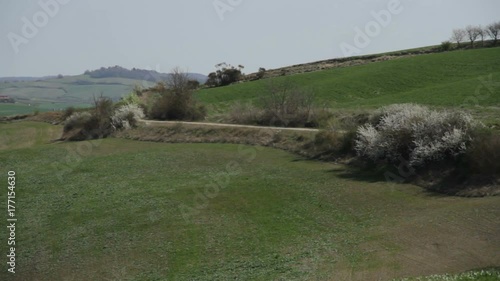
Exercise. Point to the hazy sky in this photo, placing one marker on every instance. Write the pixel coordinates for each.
(75, 35)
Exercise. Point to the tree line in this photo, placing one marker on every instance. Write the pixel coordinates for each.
(472, 33)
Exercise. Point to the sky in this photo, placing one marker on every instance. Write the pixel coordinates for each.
(50, 37)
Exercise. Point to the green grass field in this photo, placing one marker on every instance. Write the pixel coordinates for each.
(117, 209)
(8, 109)
(443, 79)
(124, 210)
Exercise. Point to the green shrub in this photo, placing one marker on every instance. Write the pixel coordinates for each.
(175, 100)
(334, 142)
(193, 84)
(445, 46)
(131, 98)
(173, 107)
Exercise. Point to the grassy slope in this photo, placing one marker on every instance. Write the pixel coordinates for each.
(7, 109)
(114, 215)
(444, 79)
(26, 134)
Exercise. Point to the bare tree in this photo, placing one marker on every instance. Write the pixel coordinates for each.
(458, 36)
(287, 105)
(493, 30)
(472, 33)
(178, 81)
(176, 100)
(481, 33)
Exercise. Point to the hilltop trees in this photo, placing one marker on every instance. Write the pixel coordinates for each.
(225, 74)
(482, 33)
(458, 36)
(492, 31)
(474, 32)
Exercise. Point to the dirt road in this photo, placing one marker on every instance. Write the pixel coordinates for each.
(170, 123)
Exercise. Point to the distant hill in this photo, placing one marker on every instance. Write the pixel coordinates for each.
(58, 92)
(113, 72)
(24, 79)
(137, 74)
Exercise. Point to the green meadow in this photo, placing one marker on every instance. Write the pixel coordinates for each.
(116, 209)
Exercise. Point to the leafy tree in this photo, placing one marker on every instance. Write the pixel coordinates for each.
(261, 73)
(193, 84)
(225, 74)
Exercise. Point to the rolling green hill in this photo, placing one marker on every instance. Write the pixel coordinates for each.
(442, 79)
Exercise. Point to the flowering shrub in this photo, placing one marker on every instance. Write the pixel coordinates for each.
(414, 132)
(126, 116)
(76, 120)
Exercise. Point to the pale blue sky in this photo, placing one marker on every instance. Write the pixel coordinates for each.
(161, 34)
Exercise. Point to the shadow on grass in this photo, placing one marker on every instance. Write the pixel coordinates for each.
(437, 180)
(356, 174)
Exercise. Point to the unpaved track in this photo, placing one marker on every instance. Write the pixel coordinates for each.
(170, 123)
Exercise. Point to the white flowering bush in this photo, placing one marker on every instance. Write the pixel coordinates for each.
(414, 132)
(76, 120)
(126, 116)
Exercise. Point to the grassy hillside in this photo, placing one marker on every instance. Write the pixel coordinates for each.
(117, 210)
(444, 79)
